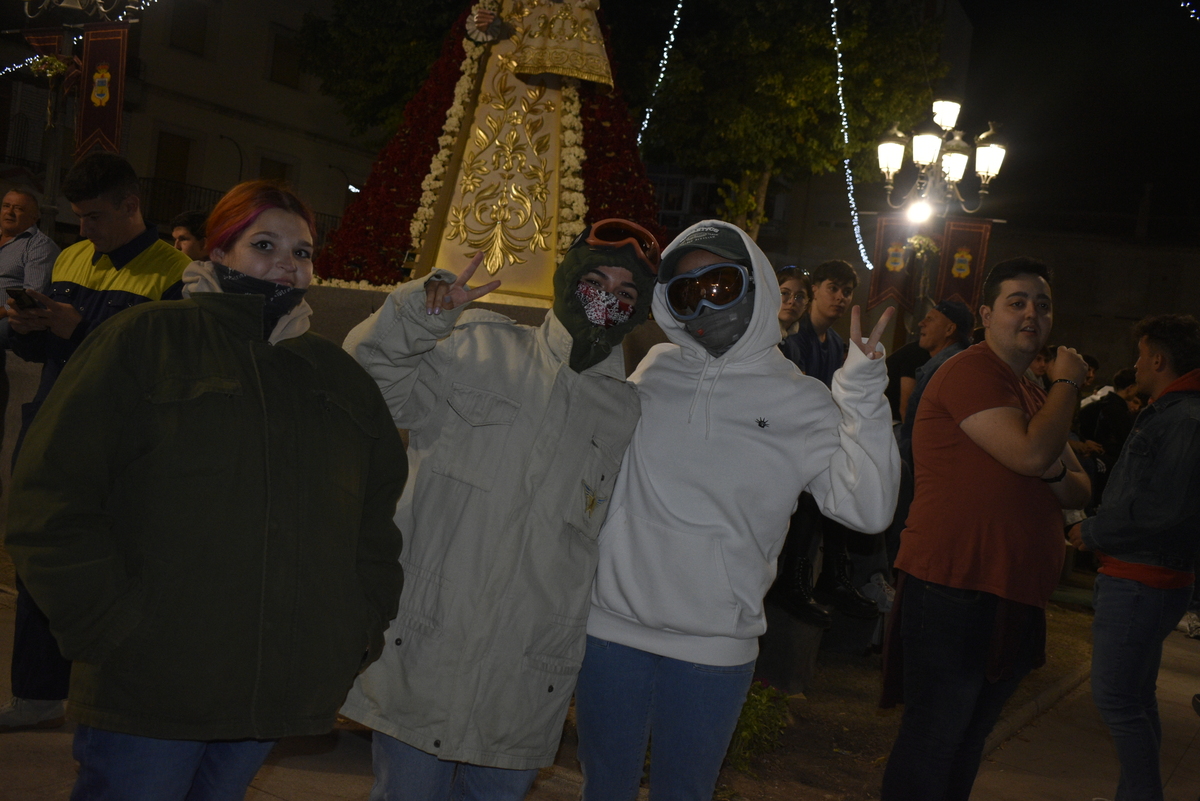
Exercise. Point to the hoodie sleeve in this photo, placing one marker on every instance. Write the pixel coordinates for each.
(861, 483)
(397, 341)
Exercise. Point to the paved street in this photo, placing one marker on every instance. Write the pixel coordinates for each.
(1066, 754)
(1063, 756)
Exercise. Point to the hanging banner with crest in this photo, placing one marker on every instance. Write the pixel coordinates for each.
(893, 277)
(45, 41)
(964, 254)
(101, 88)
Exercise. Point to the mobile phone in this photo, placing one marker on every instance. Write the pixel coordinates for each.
(21, 299)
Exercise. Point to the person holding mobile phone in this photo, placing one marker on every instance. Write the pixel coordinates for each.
(119, 263)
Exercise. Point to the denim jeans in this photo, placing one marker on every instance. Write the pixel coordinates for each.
(626, 697)
(121, 767)
(950, 706)
(404, 773)
(1131, 622)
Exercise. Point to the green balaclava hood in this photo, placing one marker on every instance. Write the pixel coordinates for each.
(592, 343)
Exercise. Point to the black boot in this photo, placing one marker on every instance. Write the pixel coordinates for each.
(792, 591)
(835, 588)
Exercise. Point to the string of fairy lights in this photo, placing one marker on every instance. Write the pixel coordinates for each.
(837, 50)
(1190, 9)
(845, 120)
(141, 5)
(662, 67)
(14, 67)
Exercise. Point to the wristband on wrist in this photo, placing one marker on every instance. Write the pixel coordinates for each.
(1061, 475)
(1066, 381)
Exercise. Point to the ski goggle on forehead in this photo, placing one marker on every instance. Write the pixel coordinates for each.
(614, 233)
(717, 286)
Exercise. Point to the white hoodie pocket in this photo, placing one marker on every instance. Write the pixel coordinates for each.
(664, 579)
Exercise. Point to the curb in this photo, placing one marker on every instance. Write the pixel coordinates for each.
(1011, 724)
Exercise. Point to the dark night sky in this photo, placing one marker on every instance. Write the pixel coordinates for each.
(1098, 99)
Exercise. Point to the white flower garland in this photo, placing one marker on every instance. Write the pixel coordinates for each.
(454, 116)
(572, 205)
(341, 284)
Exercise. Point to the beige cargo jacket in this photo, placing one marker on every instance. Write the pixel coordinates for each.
(512, 460)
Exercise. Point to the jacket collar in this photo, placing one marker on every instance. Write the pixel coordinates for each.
(199, 278)
(555, 337)
(1188, 382)
(120, 256)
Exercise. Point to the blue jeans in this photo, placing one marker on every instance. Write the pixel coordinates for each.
(1131, 622)
(625, 696)
(124, 767)
(950, 706)
(404, 773)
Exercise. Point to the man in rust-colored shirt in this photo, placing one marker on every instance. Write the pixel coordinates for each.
(984, 543)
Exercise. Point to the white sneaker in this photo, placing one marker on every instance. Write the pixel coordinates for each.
(1189, 624)
(22, 713)
(879, 591)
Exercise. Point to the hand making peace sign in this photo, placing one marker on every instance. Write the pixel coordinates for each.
(443, 295)
(868, 348)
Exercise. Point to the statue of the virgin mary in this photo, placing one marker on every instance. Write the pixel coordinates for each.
(507, 175)
(514, 185)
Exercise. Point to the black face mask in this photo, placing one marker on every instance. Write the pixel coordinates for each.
(280, 298)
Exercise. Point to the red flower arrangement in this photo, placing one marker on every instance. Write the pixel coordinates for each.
(614, 177)
(374, 237)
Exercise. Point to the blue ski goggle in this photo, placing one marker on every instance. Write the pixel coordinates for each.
(717, 286)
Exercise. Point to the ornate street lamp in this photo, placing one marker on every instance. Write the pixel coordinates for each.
(941, 156)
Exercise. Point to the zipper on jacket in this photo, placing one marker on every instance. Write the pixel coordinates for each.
(262, 594)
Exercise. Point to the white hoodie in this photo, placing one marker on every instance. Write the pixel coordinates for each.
(713, 473)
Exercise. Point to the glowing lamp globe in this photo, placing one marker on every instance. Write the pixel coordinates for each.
(891, 152)
(927, 143)
(955, 154)
(945, 113)
(989, 153)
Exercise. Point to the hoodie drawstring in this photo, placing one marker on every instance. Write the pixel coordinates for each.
(699, 383)
(708, 398)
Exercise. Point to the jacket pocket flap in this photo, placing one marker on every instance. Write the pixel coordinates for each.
(606, 452)
(355, 413)
(482, 408)
(174, 390)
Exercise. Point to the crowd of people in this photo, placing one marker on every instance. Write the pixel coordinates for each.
(221, 540)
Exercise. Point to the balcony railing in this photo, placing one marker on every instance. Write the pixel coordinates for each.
(163, 200)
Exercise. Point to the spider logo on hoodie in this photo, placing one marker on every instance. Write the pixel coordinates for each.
(762, 422)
